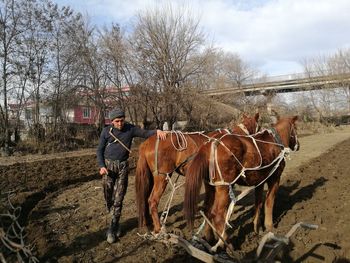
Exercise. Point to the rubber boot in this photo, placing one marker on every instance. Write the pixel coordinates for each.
(113, 232)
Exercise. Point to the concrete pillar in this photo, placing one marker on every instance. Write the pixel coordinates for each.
(269, 95)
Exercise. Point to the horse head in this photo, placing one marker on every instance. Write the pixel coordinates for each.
(251, 124)
(293, 138)
(287, 131)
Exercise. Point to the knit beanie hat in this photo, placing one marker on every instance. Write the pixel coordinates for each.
(116, 113)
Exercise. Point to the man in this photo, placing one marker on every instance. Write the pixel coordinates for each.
(112, 155)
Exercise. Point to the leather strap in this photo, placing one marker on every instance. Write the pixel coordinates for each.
(117, 140)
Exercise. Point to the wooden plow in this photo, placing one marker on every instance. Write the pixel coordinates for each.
(272, 249)
(270, 246)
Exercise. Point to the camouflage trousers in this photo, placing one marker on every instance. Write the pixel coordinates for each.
(115, 184)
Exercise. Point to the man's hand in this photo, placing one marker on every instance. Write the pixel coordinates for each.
(103, 170)
(161, 134)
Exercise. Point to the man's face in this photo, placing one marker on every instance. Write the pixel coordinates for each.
(118, 123)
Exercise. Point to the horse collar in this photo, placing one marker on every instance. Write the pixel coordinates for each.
(277, 137)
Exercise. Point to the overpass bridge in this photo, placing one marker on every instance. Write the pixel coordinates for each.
(284, 83)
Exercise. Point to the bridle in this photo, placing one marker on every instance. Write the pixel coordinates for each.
(293, 134)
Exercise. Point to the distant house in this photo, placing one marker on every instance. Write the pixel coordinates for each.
(83, 112)
(27, 112)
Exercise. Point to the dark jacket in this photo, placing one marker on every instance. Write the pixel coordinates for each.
(107, 149)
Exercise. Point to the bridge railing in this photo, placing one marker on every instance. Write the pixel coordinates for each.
(294, 76)
(285, 83)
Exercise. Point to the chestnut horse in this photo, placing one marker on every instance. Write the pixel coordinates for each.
(246, 160)
(159, 159)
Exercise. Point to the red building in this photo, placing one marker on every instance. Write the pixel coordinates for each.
(87, 115)
(83, 113)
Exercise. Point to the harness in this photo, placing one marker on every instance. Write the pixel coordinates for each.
(117, 140)
(276, 136)
(213, 165)
(182, 145)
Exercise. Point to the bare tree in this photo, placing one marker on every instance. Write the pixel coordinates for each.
(63, 71)
(116, 53)
(334, 98)
(234, 70)
(92, 80)
(36, 41)
(228, 70)
(10, 31)
(165, 43)
(339, 65)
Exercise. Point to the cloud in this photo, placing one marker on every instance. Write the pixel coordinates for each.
(273, 34)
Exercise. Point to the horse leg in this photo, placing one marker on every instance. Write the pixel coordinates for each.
(208, 203)
(258, 204)
(273, 186)
(159, 186)
(218, 214)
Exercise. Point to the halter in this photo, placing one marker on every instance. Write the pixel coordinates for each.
(296, 146)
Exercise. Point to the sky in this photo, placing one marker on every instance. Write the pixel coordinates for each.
(272, 36)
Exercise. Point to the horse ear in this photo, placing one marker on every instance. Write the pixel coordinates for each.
(256, 116)
(295, 118)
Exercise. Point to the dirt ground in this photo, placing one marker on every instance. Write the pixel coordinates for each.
(66, 220)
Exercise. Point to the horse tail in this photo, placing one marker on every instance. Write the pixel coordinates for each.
(197, 170)
(144, 185)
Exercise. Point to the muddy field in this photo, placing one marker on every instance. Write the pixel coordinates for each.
(66, 220)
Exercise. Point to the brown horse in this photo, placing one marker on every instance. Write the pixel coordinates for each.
(244, 160)
(159, 159)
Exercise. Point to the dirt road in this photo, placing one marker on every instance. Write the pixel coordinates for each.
(66, 219)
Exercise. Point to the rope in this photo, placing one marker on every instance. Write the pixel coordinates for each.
(213, 158)
(180, 139)
(167, 205)
(285, 151)
(156, 172)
